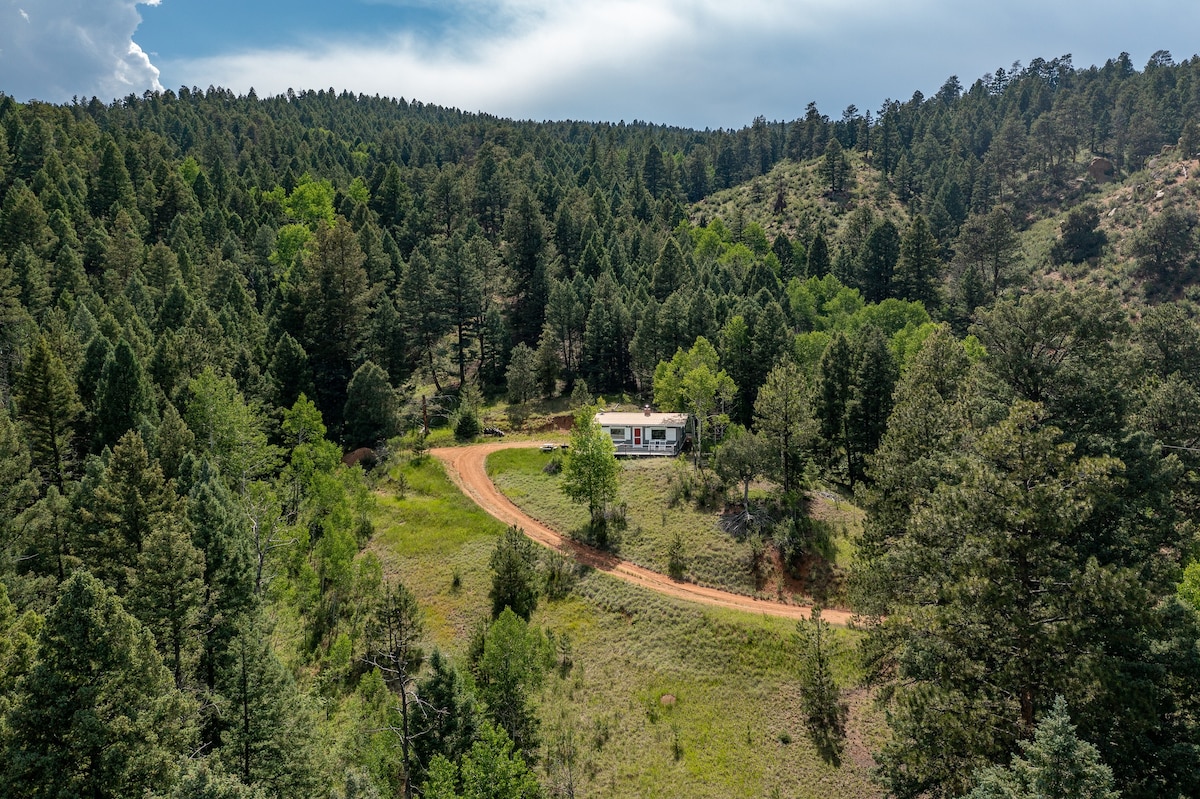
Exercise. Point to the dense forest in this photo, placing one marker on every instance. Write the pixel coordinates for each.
(973, 313)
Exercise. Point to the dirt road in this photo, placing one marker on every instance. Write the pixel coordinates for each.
(466, 468)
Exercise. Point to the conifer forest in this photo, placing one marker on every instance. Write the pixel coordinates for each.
(232, 327)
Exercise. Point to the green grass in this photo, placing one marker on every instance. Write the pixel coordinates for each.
(732, 674)
(425, 537)
(711, 558)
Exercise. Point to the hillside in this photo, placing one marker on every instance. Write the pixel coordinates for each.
(947, 313)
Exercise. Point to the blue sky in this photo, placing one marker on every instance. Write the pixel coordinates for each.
(701, 63)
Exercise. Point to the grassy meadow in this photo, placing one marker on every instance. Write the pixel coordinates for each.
(711, 557)
(661, 698)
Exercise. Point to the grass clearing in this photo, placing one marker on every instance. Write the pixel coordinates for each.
(734, 726)
(711, 557)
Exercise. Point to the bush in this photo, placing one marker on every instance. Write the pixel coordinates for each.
(554, 466)
(466, 423)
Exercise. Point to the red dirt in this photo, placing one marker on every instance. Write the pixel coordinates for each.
(466, 468)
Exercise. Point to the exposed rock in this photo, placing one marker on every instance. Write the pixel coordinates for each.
(1101, 170)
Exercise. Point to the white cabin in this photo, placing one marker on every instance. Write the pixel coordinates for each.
(645, 432)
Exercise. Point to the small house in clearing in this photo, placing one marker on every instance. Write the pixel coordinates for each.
(646, 432)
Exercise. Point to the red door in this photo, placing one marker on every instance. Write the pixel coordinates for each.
(637, 436)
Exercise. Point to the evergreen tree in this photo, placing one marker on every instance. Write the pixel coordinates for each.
(514, 578)
(521, 376)
(98, 715)
(166, 594)
(48, 406)
(131, 500)
(290, 372)
(670, 270)
(832, 396)
(783, 417)
(448, 726)
(821, 698)
(1056, 764)
(123, 397)
(870, 399)
(393, 634)
(880, 254)
(371, 412)
(334, 302)
(266, 739)
(511, 668)
(819, 262)
(917, 272)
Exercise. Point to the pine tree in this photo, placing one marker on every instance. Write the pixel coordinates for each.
(393, 634)
(265, 736)
(371, 408)
(123, 397)
(514, 579)
(130, 501)
(98, 715)
(48, 406)
(521, 376)
(166, 594)
(821, 698)
(917, 272)
(1056, 764)
(870, 399)
(290, 372)
(334, 298)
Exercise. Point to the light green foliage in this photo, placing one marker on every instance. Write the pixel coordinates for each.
(289, 242)
(590, 473)
(1056, 764)
(693, 381)
(311, 202)
(228, 428)
(358, 192)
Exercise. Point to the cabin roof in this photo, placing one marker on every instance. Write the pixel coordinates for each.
(641, 419)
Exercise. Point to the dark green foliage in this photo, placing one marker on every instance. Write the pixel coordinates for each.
(1081, 239)
(447, 725)
(513, 664)
(821, 699)
(123, 398)
(264, 736)
(98, 715)
(371, 414)
(514, 579)
(48, 405)
(1056, 764)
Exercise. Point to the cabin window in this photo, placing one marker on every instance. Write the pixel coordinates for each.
(617, 432)
(658, 434)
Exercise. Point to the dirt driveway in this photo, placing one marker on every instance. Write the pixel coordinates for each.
(466, 468)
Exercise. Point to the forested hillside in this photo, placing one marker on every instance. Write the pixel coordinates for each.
(973, 313)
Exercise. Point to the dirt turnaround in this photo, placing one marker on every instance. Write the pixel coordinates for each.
(466, 468)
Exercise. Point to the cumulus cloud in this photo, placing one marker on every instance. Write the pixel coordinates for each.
(695, 62)
(55, 49)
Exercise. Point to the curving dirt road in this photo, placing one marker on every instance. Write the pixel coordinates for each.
(466, 468)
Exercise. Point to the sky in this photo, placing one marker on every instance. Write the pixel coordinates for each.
(694, 63)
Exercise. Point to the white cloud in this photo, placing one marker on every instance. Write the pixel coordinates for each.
(64, 48)
(647, 59)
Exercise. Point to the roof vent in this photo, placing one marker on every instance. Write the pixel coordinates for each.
(646, 409)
